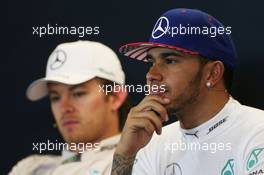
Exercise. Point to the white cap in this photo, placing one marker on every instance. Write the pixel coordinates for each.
(77, 62)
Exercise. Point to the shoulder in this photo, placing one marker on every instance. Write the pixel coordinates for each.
(250, 118)
(30, 163)
(249, 129)
(40, 158)
(248, 125)
(253, 113)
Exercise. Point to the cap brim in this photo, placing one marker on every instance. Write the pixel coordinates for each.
(39, 89)
(139, 50)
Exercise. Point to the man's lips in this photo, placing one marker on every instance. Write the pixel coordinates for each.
(69, 122)
(159, 92)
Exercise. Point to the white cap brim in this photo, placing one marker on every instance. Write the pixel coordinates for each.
(39, 89)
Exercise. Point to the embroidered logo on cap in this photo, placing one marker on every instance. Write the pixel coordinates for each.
(58, 58)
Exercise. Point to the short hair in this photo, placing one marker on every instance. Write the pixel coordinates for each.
(125, 107)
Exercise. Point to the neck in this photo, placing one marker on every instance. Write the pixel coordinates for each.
(203, 110)
(111, 129)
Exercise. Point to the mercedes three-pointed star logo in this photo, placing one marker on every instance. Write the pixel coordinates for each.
(58, 59)
(173, 169)
(161, 27)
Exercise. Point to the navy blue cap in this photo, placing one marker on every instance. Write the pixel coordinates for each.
(191, 31)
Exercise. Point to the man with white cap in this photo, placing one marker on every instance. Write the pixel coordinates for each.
(88, 119)
(193, 57)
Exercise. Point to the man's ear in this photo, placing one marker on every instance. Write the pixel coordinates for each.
(118, 98)
(215, 72)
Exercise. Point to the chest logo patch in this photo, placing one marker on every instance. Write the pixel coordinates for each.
(94, 172)
(253, 158)
(173, 169)
(228, 168)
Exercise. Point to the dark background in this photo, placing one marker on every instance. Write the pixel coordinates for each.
(120, 22)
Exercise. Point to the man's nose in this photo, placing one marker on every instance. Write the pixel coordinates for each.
(66, 105)
(154, 74)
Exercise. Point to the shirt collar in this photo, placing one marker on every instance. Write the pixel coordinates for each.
(212, 125)
(66, 154)
(108, 143)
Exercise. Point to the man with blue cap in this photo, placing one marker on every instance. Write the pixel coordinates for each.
(193, 58)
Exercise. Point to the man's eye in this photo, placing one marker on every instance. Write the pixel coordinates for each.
(79, 94)
(54, 98)
(149, 59)
(171, 61)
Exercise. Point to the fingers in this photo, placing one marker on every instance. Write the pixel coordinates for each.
(142, 121)
(146, 125)
(159, 110)
(149, 114)
(159, 99)
(152, 121)
(154, 103)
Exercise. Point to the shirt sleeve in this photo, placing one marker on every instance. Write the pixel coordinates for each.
(23, 166)
(34, 164)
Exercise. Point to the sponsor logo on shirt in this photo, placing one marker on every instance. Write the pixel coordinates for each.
(216, 125)
(228, 168)
(173, 169)
(193, 134)
(94, 172)
(253, 158)
(257, 172)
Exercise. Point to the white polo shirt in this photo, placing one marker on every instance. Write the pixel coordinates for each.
(231, 143)
(93, 162)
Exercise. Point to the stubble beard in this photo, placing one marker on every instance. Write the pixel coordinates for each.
(186, 98)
